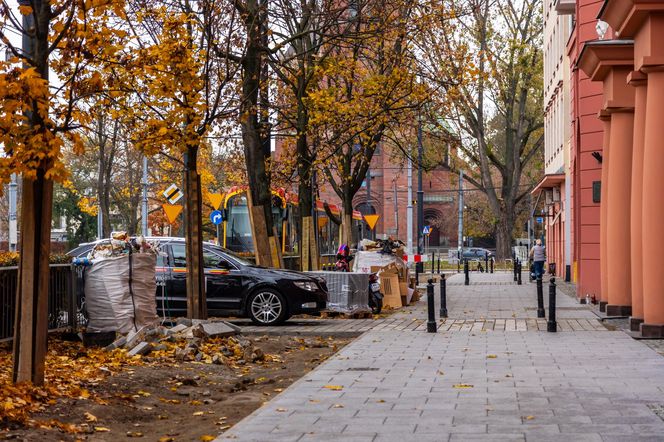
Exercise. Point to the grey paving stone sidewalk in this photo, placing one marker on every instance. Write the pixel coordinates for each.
(473, 384)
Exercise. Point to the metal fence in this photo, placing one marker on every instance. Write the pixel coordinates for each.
(63, 309)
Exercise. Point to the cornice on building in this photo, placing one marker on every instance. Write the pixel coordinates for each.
(627, 16)
(598, 56)
(565, 7)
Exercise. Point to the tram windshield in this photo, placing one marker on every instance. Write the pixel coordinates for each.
(238, 226)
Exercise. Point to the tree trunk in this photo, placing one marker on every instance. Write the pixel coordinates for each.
(308, 248)
(257, 156)
(31, 324)
(504, 231)
(196, 296)
(347, 221)
(31, 320)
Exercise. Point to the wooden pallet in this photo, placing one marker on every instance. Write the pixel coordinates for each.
(359, 315)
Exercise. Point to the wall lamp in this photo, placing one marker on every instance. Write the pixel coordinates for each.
(597, 156)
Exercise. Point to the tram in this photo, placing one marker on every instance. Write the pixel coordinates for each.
(237, 234)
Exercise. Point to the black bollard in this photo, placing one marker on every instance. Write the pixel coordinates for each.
(431, 323)
(466, 271)
(439, 263)
(551, 325)
(443, 296)
(515, 264)
(540, 298)
(486, 263)
(491, 264)
(433, 262)
(519, 273)
(417, 275)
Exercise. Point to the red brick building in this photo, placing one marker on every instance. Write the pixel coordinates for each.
(389, 177)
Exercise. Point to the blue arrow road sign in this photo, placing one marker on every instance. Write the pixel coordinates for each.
(216, 217)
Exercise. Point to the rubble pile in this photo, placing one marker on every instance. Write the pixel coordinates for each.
(210, 342)
(121, 244)
(387, 246)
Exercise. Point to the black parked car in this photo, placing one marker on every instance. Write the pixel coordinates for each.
(477, 253)
(235, 287)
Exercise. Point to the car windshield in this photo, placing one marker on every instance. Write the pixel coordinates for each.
(233, 256)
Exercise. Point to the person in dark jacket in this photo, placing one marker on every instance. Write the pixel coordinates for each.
(538, 255)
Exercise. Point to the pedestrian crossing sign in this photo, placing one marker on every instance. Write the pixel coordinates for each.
(426, 230)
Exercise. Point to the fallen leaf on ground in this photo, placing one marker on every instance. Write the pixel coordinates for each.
(462, 386)
(491, 356)
(337, 406)
(166, 439)
(207, 438)
(102, 429)
(90, 417)
(529, 418)
(333, 387)
(281, 410)
(198, 413)
(134, 434)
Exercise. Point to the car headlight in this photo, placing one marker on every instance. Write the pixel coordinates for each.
(306, 285)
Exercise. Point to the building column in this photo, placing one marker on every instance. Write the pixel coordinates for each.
(603, 213)
(653, 208)
(638, 80)
(618, 214)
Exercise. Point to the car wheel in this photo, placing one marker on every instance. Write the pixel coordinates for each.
(267, 307)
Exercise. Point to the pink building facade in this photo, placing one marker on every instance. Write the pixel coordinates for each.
(616, 94)
(571, 188)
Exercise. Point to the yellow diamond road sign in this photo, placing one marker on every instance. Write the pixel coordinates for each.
(173, 194)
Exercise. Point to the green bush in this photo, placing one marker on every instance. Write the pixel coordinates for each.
(9, 259)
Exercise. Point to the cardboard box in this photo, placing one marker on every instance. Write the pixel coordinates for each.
(415, 295)
(389, 287)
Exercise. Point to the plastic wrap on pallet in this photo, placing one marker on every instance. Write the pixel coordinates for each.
(347, 292)
(365, 260)
(108, 298)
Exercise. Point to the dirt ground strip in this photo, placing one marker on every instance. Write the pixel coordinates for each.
(185, 401)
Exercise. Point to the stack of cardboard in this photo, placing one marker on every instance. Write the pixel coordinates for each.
(395, 286)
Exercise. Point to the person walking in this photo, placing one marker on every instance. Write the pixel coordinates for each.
(538, 255)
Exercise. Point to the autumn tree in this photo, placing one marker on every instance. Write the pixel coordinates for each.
(369, 90)
(171, 85)
(306, 33)
(485, 59)
(255, 126)
(44, 92)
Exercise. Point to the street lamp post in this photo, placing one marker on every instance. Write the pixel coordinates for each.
(144, 208)
(420, 193)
